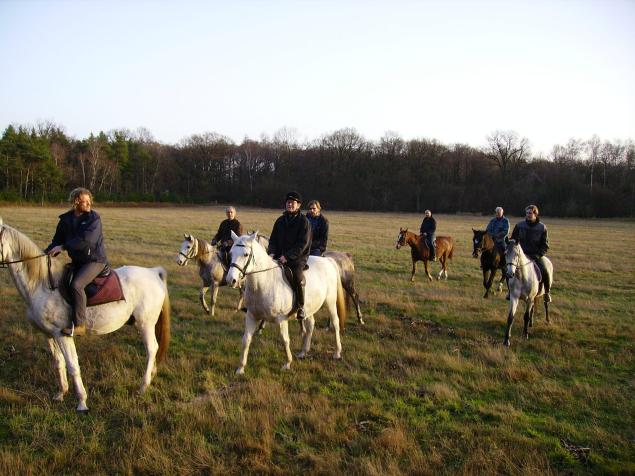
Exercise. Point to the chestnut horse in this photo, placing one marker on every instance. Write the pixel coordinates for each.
(420, 252)
(491, 259)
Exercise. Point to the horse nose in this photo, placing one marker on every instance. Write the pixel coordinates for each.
(234, 283)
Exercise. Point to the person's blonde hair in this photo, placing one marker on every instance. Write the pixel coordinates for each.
(316, 203)
(76, 192)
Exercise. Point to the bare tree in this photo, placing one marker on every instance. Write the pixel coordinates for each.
(507, 150)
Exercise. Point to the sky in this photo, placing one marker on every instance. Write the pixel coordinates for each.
(454, 71)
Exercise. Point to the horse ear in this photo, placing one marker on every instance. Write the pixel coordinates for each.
(188, 237)
(254, 235)
(234, 236)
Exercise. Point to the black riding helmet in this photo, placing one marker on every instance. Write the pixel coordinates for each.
(293, 196)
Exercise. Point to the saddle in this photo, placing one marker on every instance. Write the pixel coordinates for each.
(103, 289)
(539, 275)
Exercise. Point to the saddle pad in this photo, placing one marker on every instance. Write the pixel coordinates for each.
(103, 290)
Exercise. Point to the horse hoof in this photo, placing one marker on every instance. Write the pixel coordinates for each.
(506, 343)
(361, 322)
(286, 366)
(337, 356)
(240, 371)
(300, 355)
(82, 409)
(59, 397)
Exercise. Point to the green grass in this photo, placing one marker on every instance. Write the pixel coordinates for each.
(424, 388)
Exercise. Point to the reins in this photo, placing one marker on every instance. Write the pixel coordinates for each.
(243, 269)
(5, 264)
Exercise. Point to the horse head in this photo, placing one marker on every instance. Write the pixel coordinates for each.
(188, 251)
(242, 257)
(477, 242)
(401, 237)
(513, 256)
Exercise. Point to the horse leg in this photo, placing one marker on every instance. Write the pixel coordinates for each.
(486, 273)
(513, 303)
(214, 296)
(499, 288)
(60, 367)
(490, 280)
(441, 262)
(308, 325)
(201, 297)
(241, 302)
(414, 270)
(251, 324)
(358, 308)
(67, 346)
(547, 312)
(284, 332)
(335, 320)
(425, 265)
(152, 346)
(529, 311)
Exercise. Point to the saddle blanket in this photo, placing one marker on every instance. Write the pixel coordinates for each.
(102, 290)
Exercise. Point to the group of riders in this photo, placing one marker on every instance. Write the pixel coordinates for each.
(295, 237)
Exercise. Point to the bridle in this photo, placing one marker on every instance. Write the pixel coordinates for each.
(515, 264)
(250, 258)
(192, 252)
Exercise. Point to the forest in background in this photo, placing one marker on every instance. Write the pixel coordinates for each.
(345, 171)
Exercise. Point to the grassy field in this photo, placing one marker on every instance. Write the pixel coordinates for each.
(425, 387)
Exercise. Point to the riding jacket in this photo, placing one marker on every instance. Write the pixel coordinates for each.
(498, 228)
(532, 237)
(81, 237)
(428, 225)
(320, 232)
(224, 231)
(291, 238)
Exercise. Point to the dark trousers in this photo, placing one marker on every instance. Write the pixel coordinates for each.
(298, 281)
(82, 277)
(316, 252)
(430, 242)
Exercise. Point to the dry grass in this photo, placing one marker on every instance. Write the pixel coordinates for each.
(424, 388)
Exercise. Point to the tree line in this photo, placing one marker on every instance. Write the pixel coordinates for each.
(342, 169)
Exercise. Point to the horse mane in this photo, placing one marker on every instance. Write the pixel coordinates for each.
(37, 269)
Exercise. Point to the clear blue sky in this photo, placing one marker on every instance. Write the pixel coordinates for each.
(448, 70)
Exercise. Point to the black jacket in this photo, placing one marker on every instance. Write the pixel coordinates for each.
(320, 232)
(224, 230)
(428, 225)
(291, 238)
(81, 237)
(532, 237)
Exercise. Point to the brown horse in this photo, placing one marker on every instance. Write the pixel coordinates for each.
(420, 252)
(491, 259)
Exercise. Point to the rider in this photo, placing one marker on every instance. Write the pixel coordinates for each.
(428, 230)
(497, 229)
(319, 228)
(79, 232)
(533, 239)
(223, 236)
(290, 243)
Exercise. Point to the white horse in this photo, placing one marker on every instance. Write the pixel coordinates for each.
(270, 298)
(524, 284)
(146, 301)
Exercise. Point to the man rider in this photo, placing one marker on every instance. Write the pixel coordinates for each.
(223, 236)
(533, 239)
(79, 232)
(428, 230)
(497, 229)
(290, 243)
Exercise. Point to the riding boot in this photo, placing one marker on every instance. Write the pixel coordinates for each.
(547, 284)
(300, 296)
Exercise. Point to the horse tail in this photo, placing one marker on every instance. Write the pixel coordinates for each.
(341, 303)
(162, 327)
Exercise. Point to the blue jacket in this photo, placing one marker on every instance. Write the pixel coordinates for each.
(498, 228)
(81, 237)
(320, 232)
(429, 226)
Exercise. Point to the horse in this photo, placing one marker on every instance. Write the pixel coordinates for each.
(491, 259)
(419, 251)
(211, 269)
(525, 283)
(36, 276)
(269, 297)
(347, 277)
